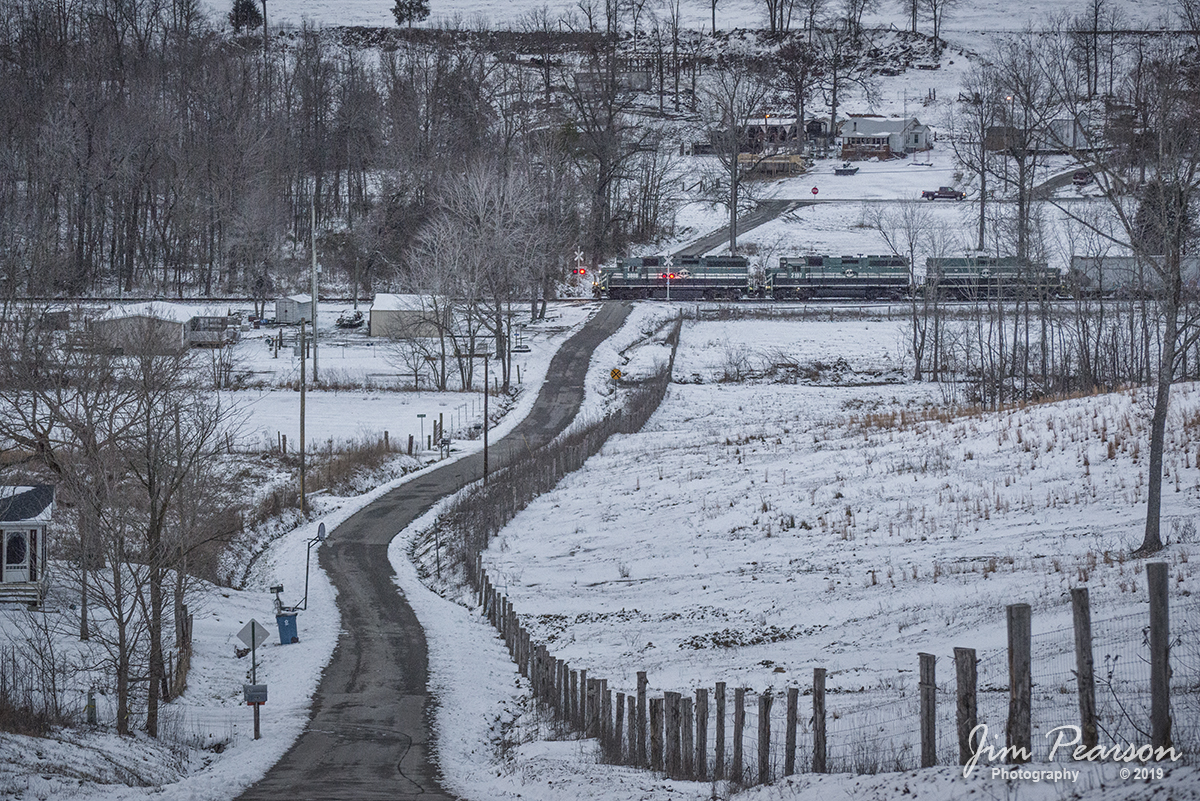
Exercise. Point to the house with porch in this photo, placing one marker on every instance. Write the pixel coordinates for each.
(869, 136)
(24, 516)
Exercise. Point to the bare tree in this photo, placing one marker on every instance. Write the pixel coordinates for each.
(841, 54)
(797, 68)
(972, 122)
(732, 99)
(936, 11)
(609, 138)
(908, 230)
(1154, 220)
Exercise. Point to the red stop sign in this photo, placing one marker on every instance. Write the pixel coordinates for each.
(814, 190)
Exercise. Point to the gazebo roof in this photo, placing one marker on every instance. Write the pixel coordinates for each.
(26, 504)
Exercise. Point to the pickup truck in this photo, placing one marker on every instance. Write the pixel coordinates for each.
(947, 192)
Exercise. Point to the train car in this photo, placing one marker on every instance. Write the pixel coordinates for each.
(687, 278)
(978, 277)
(865, 277)
(1127, 277)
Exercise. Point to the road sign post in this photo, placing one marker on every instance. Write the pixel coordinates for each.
(319, 538)
(252, 634)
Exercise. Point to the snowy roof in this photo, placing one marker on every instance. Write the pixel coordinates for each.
(156, 309)
(385, 302)
(878, 126)
(301, 299)
(26, 504)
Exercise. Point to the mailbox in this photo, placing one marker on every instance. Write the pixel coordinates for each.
(255, 693)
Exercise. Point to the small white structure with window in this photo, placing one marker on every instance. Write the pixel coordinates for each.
(24, 516)
(294, 308)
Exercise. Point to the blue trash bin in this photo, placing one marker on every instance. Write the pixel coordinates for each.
(287, 628)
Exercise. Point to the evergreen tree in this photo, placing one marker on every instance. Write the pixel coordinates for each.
(245, 14)
(407, 12)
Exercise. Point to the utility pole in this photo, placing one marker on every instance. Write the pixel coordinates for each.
(314, 289)
(303, 499)
(486, 359)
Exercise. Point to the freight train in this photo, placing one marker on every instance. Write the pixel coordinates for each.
(821, 277)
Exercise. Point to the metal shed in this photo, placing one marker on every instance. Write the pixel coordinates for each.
(157, 326)
(293, 308)
(403, 316)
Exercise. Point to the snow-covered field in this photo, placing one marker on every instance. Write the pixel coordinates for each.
(756, 530)
(207, 750)
(753, 531)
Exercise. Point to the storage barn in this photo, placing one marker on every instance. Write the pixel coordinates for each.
(403, 316)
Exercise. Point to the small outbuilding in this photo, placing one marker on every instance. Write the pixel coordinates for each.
(403, 317)
(294, 308)
(155, 327)
(24, 516)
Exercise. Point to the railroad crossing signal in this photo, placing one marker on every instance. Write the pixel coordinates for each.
(615, 374)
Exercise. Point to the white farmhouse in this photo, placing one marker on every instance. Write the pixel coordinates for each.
(865, 137)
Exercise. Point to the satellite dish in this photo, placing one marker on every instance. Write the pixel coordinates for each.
(321, 532)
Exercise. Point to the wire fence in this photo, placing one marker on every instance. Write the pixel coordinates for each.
(754, 737)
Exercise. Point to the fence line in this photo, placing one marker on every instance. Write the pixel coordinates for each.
(751, 737)
(764, 735)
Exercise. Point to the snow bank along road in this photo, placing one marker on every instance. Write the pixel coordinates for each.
(369, 733)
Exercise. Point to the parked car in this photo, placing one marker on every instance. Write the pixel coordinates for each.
(947, 192)
(1081, 178)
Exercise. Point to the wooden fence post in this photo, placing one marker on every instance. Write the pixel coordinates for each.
(818, 722)
(719, 764)
(928, 685)
(584, 712)
(656, 748)
(793, 713)
(764, 737)
(641, 719)
(1160, 666)
(631, 701)
(702, 734)
(687, 745)
(592, 713)
(739, 725)
(966, 714)
(1019, 730)
(671, 733)
(604, 718)
(618, 735)
(606, 725)
(573, 717)
(1085, 675)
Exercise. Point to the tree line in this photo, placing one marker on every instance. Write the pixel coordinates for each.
(1123, 108)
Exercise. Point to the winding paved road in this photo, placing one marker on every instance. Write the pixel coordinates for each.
(369, 735)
